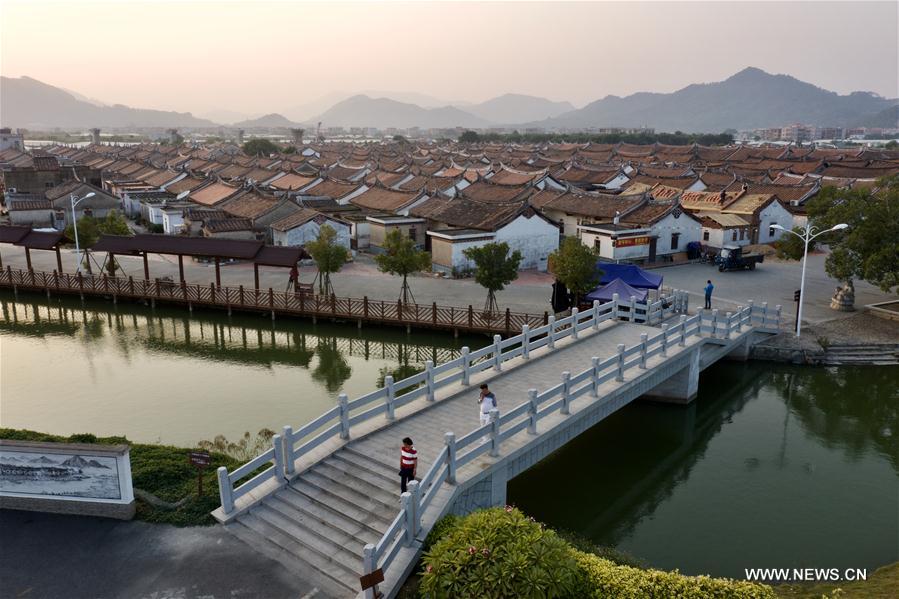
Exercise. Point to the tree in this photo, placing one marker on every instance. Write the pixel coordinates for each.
(469, 137)
(329, 257)
(574, 264)
(90, 228)
(869, 248)
(260, 147)
(790, 247)
(400, 139)
(495, 268)
(401, 257)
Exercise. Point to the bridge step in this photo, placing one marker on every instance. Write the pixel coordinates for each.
(371, 462)
(378, 519)
(388, 476)
(272, 543)
(347, 492)
(360, 481)
(329, 516)
(278, 516)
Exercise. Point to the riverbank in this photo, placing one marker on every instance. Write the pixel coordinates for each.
(883, 583)
(860, 338)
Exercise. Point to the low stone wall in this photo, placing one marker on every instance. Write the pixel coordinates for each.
(66, 478)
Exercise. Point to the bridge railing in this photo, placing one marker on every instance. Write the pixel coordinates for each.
(292, 444)
(540, 405)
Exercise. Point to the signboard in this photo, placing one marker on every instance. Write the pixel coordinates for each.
(369, 580)
(631, 241)
(201, 459)
(65, 471)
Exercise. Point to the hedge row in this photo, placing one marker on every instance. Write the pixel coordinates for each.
(500, 552)
(606, 580)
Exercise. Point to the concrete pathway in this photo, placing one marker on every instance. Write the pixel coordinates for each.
(44, 556)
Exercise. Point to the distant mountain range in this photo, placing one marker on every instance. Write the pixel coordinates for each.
(749, 99)
(269, 121)
(31, 104)
(363, 111)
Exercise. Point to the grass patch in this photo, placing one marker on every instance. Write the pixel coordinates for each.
(162, 470)
(882, 584)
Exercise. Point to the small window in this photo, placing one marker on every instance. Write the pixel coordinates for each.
(675, 237)
(412, 234)
(742, 233)
(596, 242)
(734, 235)
(771, 230)
(705, 235)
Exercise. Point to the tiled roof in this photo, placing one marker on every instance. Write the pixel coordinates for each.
(291, 182)
(20, 205)
(332, 189)
(186, 184)
(227, 225)
(468, 214)
(213, 194)
(387, 200)
(250, 205)
(484, 191)
(593, 206)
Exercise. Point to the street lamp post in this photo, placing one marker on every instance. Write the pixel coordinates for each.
(806, 237)
(75, 202)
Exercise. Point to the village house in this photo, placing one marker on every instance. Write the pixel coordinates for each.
(572, 209)
(34, 213)
(304, 225)
(98, 205)
(260, 209)
(379, 226)
(193, 217)
(719, 229)
(388, 201)
(228, 228)
(652, 232)
(455, 224)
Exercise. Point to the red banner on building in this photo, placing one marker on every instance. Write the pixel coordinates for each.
(629, 241)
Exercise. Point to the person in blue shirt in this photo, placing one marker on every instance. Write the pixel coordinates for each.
(708, 295)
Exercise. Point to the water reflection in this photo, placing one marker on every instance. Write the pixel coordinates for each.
(854, 409)
(99, 365)
(767, 467)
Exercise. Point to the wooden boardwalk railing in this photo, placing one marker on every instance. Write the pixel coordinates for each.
(468, 319)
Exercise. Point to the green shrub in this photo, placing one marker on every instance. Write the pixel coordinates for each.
(605, 580)
(621, 558)
(440, 529)
(499, 552)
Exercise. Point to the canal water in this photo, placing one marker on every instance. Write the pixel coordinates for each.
(168, 376)
(771, 466)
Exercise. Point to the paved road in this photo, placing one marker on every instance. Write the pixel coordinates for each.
(47, 556)
(774, 282)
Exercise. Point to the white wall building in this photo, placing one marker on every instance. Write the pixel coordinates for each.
(301, 227)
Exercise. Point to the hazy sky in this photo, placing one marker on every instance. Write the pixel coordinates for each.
(258, 57)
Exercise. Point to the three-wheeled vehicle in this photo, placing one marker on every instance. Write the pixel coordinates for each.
(731, 257)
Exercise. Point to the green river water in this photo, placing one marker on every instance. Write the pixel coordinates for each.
(771, 466)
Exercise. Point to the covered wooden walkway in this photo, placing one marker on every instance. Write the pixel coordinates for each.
(287, 303)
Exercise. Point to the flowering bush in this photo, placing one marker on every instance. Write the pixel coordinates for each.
(500, 553)
(606, 580)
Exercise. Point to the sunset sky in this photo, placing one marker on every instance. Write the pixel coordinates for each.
(258, 57)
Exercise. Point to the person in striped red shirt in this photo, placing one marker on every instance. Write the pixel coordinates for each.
(408, 463)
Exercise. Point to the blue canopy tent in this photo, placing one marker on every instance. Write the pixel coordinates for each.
(604, 293)
(630, 274)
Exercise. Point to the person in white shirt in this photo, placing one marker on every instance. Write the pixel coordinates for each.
(487, 402)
